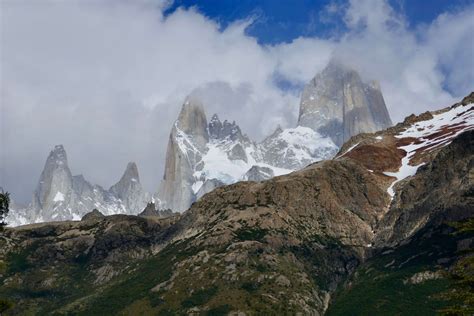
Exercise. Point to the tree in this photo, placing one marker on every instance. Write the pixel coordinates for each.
(4, 207)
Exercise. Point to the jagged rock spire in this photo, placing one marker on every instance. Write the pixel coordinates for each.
(129, 189)
(130, 174)
(215, 127)
(222, 130)
(61, 196)
(55, 181)
(192, 120)
(187, 142)
(338, 104)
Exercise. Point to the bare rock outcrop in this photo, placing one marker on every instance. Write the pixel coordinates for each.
(338, 104)
(187, 142)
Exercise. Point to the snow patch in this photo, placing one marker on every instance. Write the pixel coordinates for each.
(405, 171)
(348, 150)
(58, 197)
(196, 186)
(461, 116)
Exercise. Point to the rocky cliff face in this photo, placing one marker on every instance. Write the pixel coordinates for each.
(381, 207)
(338, 104)
(129, 190)
(201, 157)
(60, 196)
(55, 183)
(187, 142)
(294, 148)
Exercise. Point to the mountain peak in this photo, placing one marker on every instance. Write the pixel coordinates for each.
(55, 179)
(131, 172)
(130, 175)
(339, 104)
(58, 155)
(59, 148)
(278, 130)
(129, 189)
(192, 107)
(215, 118)
(222, 130)
(192, 120)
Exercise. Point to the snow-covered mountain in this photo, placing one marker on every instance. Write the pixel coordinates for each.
(202, 156)
(61, 196)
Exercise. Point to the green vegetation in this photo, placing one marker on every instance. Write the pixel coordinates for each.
(137, 285)
(199, 297)
(381, 286)
(250, 277)
(250, 287)
(5, 305)
(74, 291)
(219, 310)
(461, 293)
(324, 259)
(18, 261)
(381, 292)
(250, 233)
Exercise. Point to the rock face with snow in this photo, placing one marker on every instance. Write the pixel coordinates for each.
(186, 145)
(294, 148)
(401, 157)
(338, 104)
(203, 157)
(129, 189)
(335, 106)
(55, 183)
(257, 173)
(61, 196)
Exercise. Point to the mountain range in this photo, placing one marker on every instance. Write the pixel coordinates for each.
(61, 196)
(203, 155)
(385, 227)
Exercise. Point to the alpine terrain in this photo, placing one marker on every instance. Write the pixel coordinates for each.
(203, 155)
(386, 227)
(61, 196)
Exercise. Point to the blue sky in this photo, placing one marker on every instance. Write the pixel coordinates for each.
(279, 21)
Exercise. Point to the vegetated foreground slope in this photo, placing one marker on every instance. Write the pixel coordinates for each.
(374, 219)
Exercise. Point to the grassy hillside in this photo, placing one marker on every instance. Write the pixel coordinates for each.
(408, 280)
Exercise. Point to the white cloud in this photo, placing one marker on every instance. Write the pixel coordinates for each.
(107, 78)
(451, 37)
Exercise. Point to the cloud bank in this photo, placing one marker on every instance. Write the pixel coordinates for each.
(107, 79)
